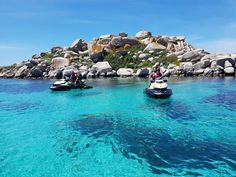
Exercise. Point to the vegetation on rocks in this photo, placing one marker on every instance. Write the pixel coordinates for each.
(47, 56)
(132, 60)
(125, 56)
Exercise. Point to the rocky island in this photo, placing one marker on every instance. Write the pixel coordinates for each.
(124, 56)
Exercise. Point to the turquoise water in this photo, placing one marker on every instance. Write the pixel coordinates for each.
(114, 130)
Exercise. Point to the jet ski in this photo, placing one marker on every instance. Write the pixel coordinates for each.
(63, 85)
(158, 89)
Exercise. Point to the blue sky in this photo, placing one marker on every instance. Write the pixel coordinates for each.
(32, 26)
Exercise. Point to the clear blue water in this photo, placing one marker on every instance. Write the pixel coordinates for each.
(114, 130)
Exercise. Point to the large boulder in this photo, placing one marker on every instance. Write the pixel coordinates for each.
(91, 74)
(230, 71)
(105, 36)
(101, 67)
(125, 72)
(36, 72)
(187, 66)
(227, 64)
(198, 72)
(36, 57)
(22, 72)
(209, 57)
(111, 74)
(192, 55)
(155, 47)
(123, 34)
(83, 68)
(130, 41)
(96, 51)
(143, 34)
(8, 74)
(69, 70)
(43, 65)
(208, 72)
(143, 72)
(79, 45)
(55, 74)
(116, 42)
(56, 49)
(59, 62)
(221, 59)
(30, 64)
(201, 64)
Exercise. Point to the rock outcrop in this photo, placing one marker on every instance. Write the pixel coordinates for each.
(122, 55)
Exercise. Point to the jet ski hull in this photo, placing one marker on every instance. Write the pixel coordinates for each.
(60, 88)
(157, 93)
(68, 87)
(81, 87)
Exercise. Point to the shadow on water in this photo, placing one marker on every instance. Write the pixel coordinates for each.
(83, 94)
(18, 106)
(155, 146)
(173, 109)
(224, 98)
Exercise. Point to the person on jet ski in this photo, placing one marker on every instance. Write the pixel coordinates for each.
(73, 77)
(79, 79)
(156, 74)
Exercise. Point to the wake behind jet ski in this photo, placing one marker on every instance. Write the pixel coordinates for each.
(74, 82)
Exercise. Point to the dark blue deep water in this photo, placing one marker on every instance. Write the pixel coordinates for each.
(114, 130)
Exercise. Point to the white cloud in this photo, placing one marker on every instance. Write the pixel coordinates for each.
(221, 46)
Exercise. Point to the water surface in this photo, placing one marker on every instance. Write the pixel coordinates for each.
(115, 130)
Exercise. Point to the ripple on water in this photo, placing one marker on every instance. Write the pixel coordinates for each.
(226, 99)
(18, 106)
(154, 145)
(83, 94)
(172, 109)
(23, 86)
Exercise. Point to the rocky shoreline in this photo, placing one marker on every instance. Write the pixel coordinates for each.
(124, 56)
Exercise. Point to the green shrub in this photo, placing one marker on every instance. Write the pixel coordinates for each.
(162, 58)
(116, 60)
(135, 48)
(146, 64)
(5, 68)
(48, 56)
